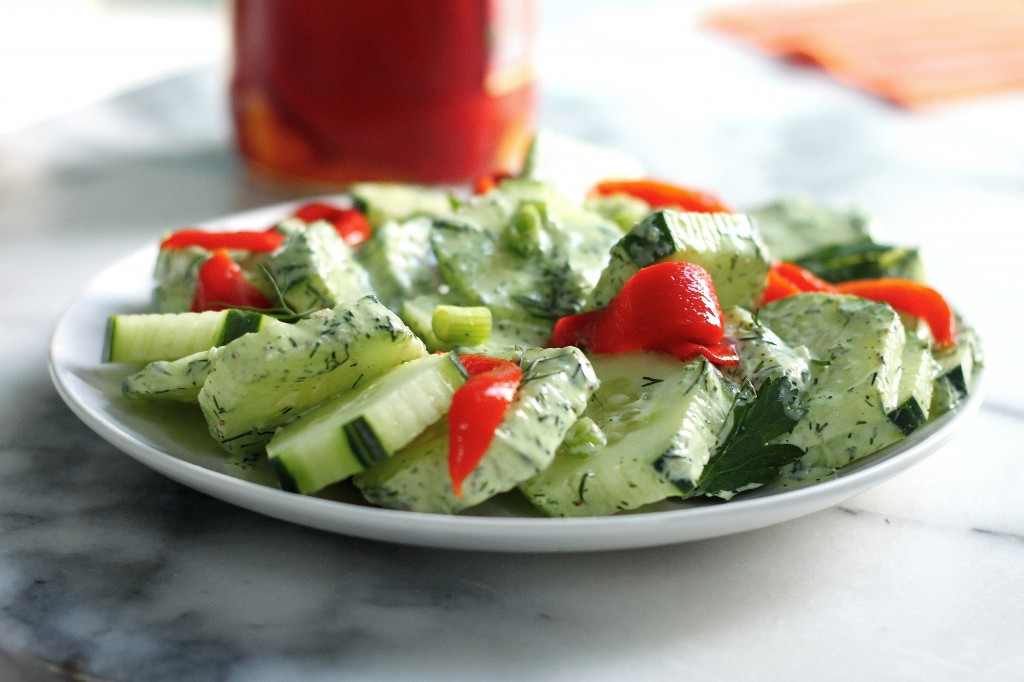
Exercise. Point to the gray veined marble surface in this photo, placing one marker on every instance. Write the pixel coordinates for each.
(109, 571)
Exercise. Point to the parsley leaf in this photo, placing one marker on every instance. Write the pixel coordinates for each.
(746, 457)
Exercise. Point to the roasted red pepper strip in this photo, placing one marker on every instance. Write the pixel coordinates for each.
(801, 278)
(221, 284)
(913, 298)
(663, 195)
(723, 353)
(904, 295)
(351, 224)
(238, 241)
(786, 279)
(777, 287)
(485, 183)
(478, 407)
(669, 307)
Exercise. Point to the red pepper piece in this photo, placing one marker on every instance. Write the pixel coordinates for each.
(351, 224)
(485, 183)
(478, 407)
(663, 195)
(904, 295)
(576, 330)
(221, 284)
(237, 241)
(723, 353)
(669, 307)
(777, 287)
(786, 279)
(801, 278)
(913, 298)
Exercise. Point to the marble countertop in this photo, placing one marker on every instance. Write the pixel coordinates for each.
(109, 571)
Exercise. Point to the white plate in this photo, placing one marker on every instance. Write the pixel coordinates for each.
(172, 440)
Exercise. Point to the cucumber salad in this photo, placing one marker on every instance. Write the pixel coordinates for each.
(577, 334)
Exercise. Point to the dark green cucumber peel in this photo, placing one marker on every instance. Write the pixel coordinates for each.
(908, 417)
(237, 323)
(862, 259)
(364, 442)
(651, 240)
(108, 338)
(284, 477)
(955, 378)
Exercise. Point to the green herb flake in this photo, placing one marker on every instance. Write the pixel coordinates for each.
(746, 456)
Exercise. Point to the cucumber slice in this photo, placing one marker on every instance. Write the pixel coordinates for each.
(956, 369)
(856, 347)
(418, 313)
(399, 260)
(556, 385)
(140, 339)
(573, 166)
(651, 408)
(180, 379)
(355, 430)
(794, 227)
(763, 355)
(724, 244)
(263, 381)
(917, 381)
(315, 268)
(383, 202)
(625, 211)
(176, 273)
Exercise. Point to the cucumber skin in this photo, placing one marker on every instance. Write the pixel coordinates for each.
(908, 417)
(364, 442)
(864, 260)
(238, 323)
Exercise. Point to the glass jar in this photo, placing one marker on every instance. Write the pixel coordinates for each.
(330, 92)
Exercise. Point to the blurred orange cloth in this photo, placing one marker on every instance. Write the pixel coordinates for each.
(913, 52)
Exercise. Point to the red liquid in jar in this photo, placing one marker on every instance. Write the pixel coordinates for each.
(337, 91)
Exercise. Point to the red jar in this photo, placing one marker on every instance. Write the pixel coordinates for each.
(331, 92)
